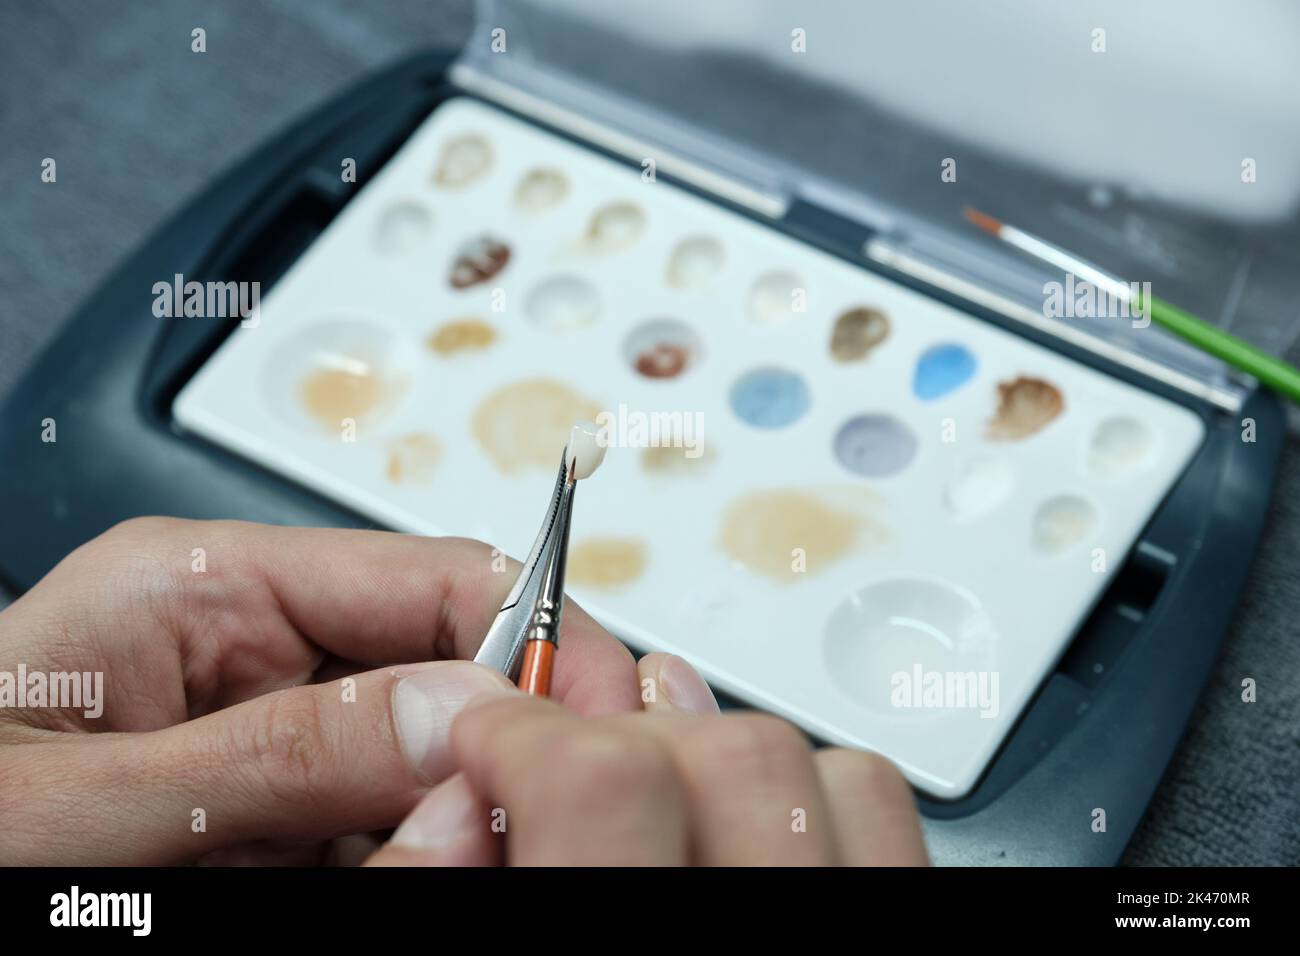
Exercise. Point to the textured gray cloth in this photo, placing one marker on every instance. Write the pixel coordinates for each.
(138, 123)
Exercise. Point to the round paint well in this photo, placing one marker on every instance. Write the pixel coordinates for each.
(770, 398)
(477, 261)
(942, 369)
(875, 446)
(661, 348)
(777, 297)
(402, 227)
(1062, 522)
(331, 373)
(857, 332)
(1119, 446)
(694, 262)
(979, 486)
(615, 227)
(563, 303)
(541, 189)
(879, 637)
(462, 161)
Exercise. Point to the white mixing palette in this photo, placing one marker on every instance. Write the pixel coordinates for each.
(857, 585)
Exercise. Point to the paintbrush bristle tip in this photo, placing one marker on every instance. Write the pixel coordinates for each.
(983, 220)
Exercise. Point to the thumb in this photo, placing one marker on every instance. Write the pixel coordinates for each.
(451, 826)
(306, 763)
(669, 683)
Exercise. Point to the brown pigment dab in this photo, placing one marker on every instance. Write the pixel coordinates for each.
(1025, 406)
(605, 562)
(333, 394)
(856, 333)
(464, 335)
(413, 458)
(663, 360)
(763, 529)
(526, 424)
(478, 261)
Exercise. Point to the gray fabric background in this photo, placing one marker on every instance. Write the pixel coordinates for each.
(138, 124)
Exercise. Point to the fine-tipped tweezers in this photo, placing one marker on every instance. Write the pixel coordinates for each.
(531, 611)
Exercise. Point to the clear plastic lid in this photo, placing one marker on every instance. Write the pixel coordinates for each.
(1160, 141)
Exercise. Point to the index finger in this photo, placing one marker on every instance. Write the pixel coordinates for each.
(371, 597)
(379, 597)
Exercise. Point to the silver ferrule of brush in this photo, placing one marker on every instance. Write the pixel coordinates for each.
(546, 622)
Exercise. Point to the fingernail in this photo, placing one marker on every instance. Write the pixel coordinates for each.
(685, 688)
(425, 704)
(448, 814)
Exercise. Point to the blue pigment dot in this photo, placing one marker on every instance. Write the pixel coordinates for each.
(770, 398)
(942, 369)
(874, 445)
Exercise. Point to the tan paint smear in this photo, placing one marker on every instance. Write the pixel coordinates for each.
(1025, 406)
(413, 458)
(333, 394)
(856, 333)
(526, 424)
(763, 529)
(671, 460)
(605, 562)
(463, 335)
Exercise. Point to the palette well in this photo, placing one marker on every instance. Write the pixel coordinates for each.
(896, 518)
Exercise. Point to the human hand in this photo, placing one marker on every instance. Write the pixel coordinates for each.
(678, 784)
(227, 730)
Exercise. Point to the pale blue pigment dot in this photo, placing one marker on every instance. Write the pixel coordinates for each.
(874, 445)
(942, 369)
(770, 398)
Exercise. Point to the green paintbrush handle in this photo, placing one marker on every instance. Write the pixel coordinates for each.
(1270, 370)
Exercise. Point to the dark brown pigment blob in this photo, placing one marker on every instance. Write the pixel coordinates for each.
(478, 261)
(1025, 406)
(664, 360)
(857, 332)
